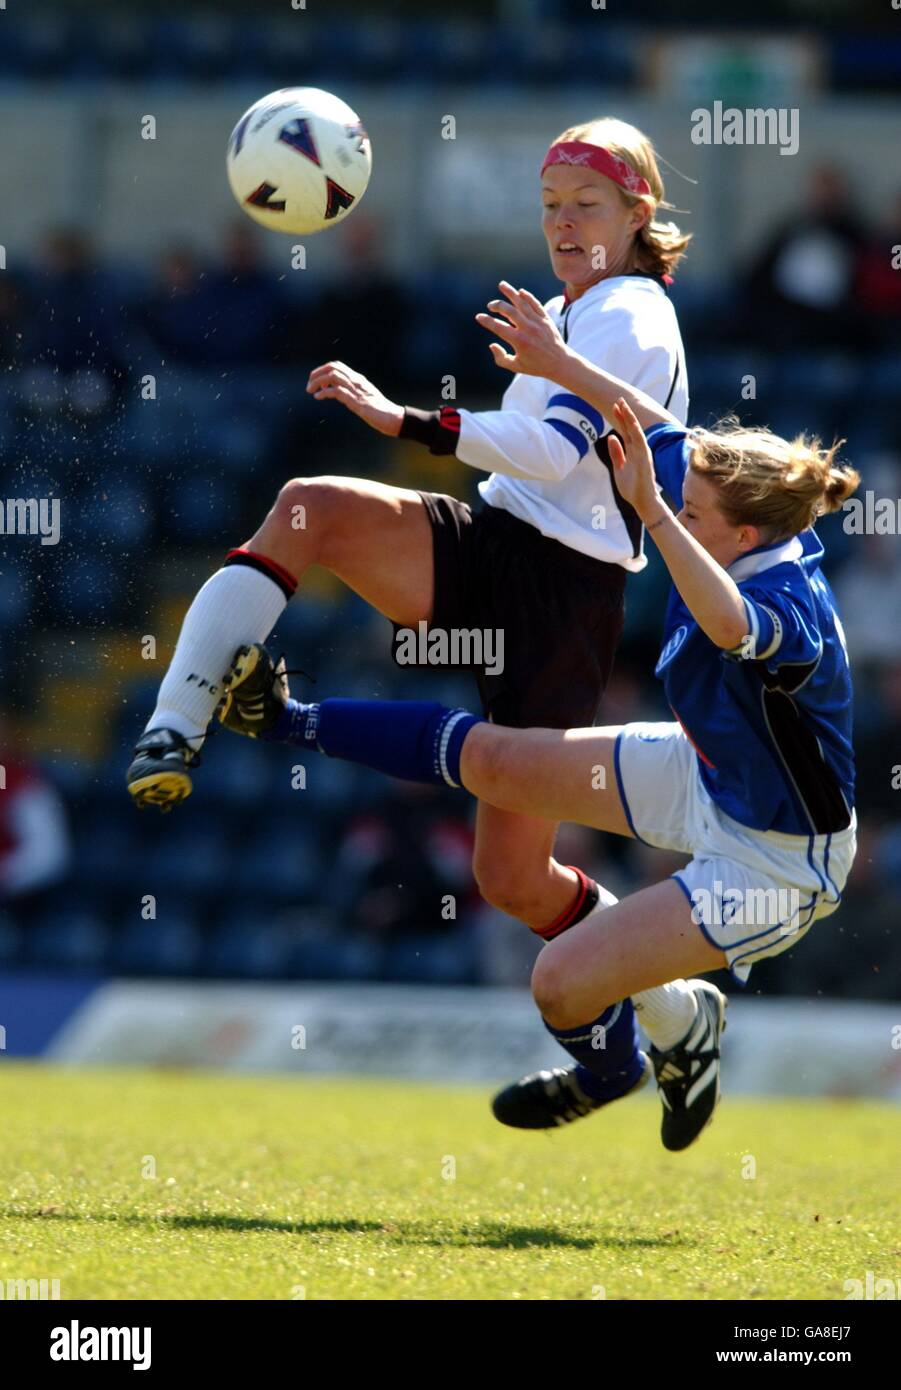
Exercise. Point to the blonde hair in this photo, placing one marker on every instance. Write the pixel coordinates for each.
(779, 485)
(659, 246)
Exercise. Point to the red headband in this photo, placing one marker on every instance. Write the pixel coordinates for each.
(596, 157)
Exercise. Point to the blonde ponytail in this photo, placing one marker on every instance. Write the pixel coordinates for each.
(778, 485)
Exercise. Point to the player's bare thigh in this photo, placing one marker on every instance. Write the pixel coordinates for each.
(559, 775)
(376, 538)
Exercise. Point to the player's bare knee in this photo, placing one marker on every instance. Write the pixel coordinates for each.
(550, 987)
(305, 511)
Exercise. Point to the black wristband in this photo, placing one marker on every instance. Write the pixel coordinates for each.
(438, 430)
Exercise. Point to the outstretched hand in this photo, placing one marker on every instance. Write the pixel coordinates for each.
(334, 381)
(538, 349)
(632, 462)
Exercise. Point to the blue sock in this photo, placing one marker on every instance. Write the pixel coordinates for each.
(606, 1051)
(417, 740)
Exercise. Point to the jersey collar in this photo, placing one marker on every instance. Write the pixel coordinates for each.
(764, 557)
(661, 280)
(806, 547)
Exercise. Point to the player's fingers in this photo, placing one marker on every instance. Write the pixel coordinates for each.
(616, 451)
(322, 376)
(526, 297)
(530, 309)
(501, 357)
(342, 394)
(509, 311)
(325, 367)
(503, 329)
(509, 290)
(629, 426)
(627, 413)
(338, 378)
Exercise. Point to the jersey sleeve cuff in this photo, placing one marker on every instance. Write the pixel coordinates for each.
(764, 633)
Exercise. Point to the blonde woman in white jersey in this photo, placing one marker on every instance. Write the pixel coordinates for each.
(544, 558)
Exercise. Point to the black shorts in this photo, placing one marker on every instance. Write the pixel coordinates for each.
(560, 612)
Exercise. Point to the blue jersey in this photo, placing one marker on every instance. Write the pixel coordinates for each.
(771, 721)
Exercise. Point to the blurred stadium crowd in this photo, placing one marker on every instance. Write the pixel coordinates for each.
(164, 406)
(417, 42)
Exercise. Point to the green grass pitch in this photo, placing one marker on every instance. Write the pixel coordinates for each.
(281, 1188)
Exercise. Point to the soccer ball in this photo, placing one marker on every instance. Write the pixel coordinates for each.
(299, 160)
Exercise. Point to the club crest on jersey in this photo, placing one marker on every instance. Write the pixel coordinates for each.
(672, 646)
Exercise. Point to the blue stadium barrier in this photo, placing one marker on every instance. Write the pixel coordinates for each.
(36, 1004)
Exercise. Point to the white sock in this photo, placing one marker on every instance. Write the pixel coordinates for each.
(236, 605)
(666, 1012)
(605, 899)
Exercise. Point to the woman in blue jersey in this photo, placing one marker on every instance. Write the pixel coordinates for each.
(542, 561)
(753, 778)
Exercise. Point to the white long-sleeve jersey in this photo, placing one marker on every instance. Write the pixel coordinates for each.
(545, 448)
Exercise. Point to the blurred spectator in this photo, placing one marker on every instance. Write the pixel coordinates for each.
(800, 290)
(403, 866)
(35, 848)
(359, 319)
(14, 318)
(868, 590)
(249, 322)
(177, 313)
(879, 275)
(878, 744)
(78, 321)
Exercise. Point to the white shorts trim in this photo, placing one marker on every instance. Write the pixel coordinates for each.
(753, 893)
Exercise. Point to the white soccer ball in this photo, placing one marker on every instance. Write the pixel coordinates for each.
(299, 160)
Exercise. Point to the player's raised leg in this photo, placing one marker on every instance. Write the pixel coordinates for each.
(548, 775)
(374, 537)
